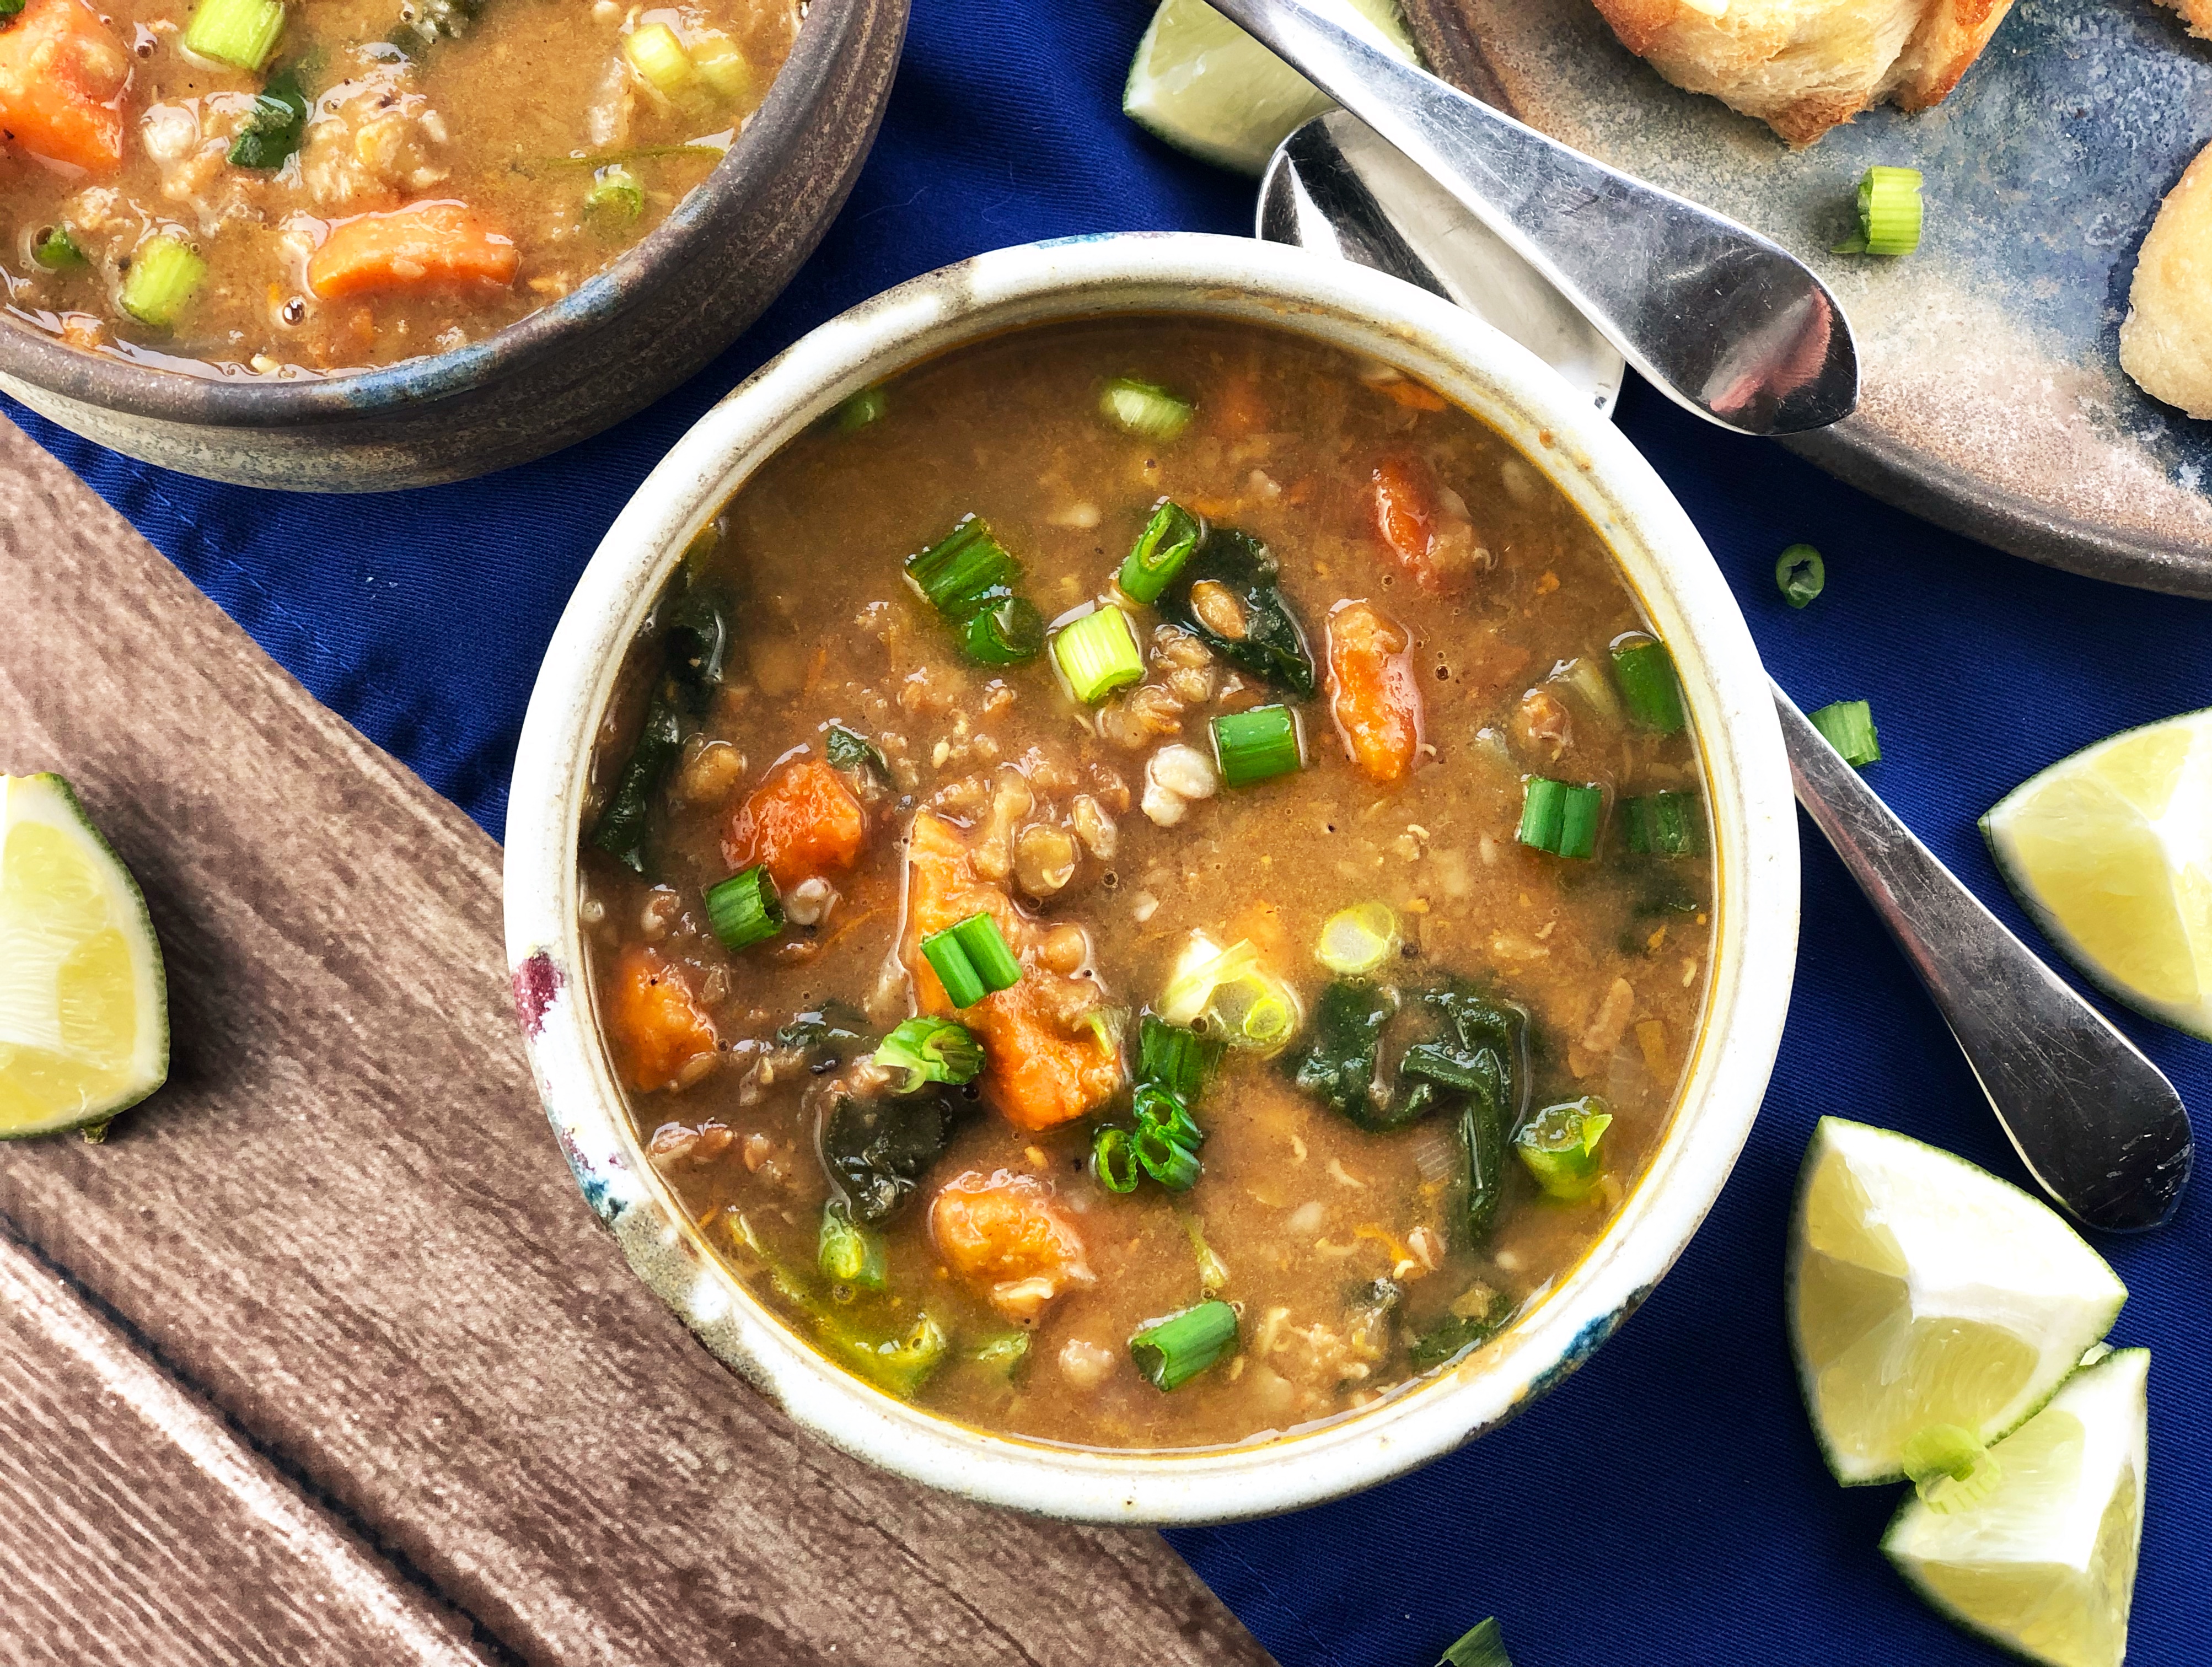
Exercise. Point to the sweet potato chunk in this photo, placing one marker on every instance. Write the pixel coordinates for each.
(659, 1029)
(1406, 515)
(422, 244)
(62, 76)
(1042, 1066)
(803, 821)
(1004, 1235)
(1373, 694)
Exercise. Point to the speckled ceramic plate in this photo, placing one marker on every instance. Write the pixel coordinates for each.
(1994, 403)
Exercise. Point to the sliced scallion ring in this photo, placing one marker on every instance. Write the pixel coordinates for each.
(1171, 1352)
(1256, 745)
(1160, 551)
(1800, 574)
(745, 909)
(1145, 407)
(1114, 1160)
(1358, 939)
(1891, 213)
(1848, 726)
(1098, 654)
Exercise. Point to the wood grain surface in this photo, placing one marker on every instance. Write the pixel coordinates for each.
(324, 1358)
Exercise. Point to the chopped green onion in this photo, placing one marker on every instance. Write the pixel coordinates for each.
(1267, 1020)
(1949, 1469)
(1145, 407)
(1155, 1108)
(1171, 1352)
(660, 61)
(1007, 632)
(1007, 1353)
(272, 132)
(985, 947)
(1098, 654)
(1256, 745)
(55, 249)
(1202, 968)
(963, 987)
(10, 7)
(870, 405)
(1160, 551)
(1561, 817)
(164, 277)
(1664, 825)
(1559, 1145)
(615, 191)
(901, 1366)
(964, 572)
(239, 33)
(1175, 1058)
(1482, 1646)
(1114, 1160)
(848, 1252)
(1166, 1160)
(849, 751)
(745, 909)
(1848, 726)
(1358, 939)
(1800, 574)
(723, 67)
(1890, 213)
(930, 1051)
(1645, 671)
(1212, 1271)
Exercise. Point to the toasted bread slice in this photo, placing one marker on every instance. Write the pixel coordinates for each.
(2197, 14)
(2166, 342)
(1801, 66)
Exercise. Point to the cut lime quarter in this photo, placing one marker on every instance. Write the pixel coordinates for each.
(1204, 86)
(1923, 1291)
(84, 1022)
(2045, 1566)
(2111, 852)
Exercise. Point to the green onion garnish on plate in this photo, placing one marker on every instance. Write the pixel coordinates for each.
(1645, 671)
(1255, 745)
(1800, 574)
(1145, 408)
(745, 909)
(930, 1051)
(1098, 654)
(1848, 726)
(1560, 817)
(1891, 213)
(1171, 1352)
(1160, 551)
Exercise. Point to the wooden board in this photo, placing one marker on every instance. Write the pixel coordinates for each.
(409, 1403)
(1994, 403)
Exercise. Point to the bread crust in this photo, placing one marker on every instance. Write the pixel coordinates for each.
(2166, 343)
(1803, 66)
(2197, 14)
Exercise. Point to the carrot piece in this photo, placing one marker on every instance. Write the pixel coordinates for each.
(803, 821)
(656, 1023)
(1373, 694)
(425, 242)
(62, 76)
(1003, 1234)
(1413, 396)
(1038, 1073)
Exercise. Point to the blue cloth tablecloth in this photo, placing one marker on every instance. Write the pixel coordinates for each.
(1666, 1507)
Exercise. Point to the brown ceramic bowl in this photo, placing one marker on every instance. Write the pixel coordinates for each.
(658, 314)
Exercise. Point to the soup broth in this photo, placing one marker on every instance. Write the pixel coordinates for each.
(1332, 1069)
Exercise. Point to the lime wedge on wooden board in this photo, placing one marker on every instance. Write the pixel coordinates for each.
(1204, 86)
(84, 1022)
(1925, 1291)
(2045, 1566)
(2111, 852)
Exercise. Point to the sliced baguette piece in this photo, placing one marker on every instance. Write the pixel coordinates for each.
(2197, 14)
(2166, 343)
(1802, 66)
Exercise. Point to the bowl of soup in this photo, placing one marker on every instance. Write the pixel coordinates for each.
(382, 243)
(1153, 879)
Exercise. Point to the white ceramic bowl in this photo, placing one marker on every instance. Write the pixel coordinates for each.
(1667, 565)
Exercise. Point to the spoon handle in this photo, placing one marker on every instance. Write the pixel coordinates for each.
(1724, 322)
(2098, 1125)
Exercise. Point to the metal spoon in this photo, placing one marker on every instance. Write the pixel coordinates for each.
(2098, 1125)
(1718, 319)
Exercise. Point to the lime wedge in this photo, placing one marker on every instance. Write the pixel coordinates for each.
(1925, 1291)
(2046, 1565)
(2111, 851)
(1204, 86)
(84, 1022)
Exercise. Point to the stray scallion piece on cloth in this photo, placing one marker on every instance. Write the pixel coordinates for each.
(1145, 408)
(745, 909)
(1113, 1160)
(616, 194)
(1358, 939)
(930, 1051)
(1664, 825)
(1256, 745)
(1172, 1351)
(862, 410)
(971, 960)
(1891, 213)
(1645, 672)
(272, 132)
(56, 249)
(1800, 574)
(849, 1254)
(1160, 550)
(1848, 726)
(1097, 654)
(165, 275)
(1559, 1146)
(239, 33)
(1561, 817)
(1481, 1646)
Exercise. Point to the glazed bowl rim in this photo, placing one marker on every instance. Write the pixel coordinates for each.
(779, 130)
(1663, 559)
